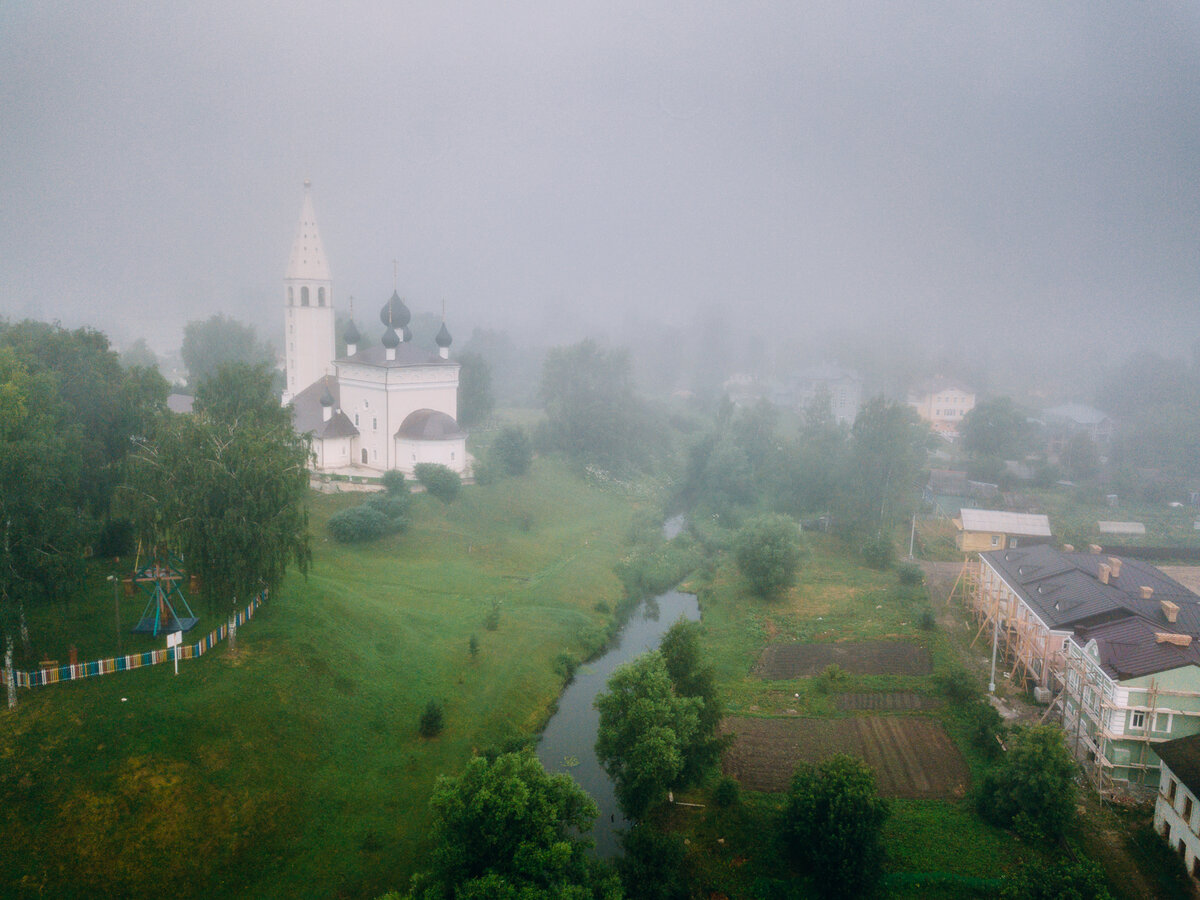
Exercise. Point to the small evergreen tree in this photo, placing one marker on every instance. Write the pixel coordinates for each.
(433, 719)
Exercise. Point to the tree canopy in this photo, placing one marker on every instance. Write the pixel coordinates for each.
(475, 400)
(767, 550)
(227, 487)
(887, 451)
(691, 676)
(645, 732)
(996, 427)
(833, 824)
(592, 414)
(505, 828)
(219, 341)
(1032, 789)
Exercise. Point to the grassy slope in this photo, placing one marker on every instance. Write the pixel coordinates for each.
(294, 768)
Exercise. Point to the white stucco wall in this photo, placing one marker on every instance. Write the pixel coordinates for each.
(452, 454)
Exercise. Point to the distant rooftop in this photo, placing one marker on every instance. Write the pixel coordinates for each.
(1001, 522)
(1122, 527)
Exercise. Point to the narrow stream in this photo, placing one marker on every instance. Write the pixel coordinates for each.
(569, 741)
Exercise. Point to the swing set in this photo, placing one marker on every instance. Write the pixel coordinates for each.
(159, 580)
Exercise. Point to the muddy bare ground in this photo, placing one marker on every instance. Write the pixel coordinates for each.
(912, 756)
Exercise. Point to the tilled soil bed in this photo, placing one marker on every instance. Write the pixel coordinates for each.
(780, 661)
(912, 756)
(897, 700)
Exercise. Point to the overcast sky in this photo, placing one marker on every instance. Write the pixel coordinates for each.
(961, 170)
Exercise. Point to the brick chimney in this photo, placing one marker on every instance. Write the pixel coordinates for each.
(1147, 592)
(1115, 564)
(1104, 572)
(1179, 640)
(1170, 610)
(1094, 548)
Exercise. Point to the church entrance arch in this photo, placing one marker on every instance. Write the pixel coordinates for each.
(364, 457)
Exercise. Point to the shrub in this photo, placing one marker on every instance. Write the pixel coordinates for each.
(394, 482)
(492, 620)
(433, 719)
(440, 481)
(957, 686)
(727, 794)
(473, 645)
(833, 677)
(878, 551)
(910, 574)
(927, 621)
(359, 523)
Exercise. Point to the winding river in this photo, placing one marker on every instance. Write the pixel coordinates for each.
(569, 741)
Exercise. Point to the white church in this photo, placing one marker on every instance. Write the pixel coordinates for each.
(378, 407)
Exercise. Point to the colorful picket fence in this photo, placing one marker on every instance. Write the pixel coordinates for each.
(54, 675)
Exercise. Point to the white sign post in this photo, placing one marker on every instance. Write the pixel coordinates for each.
(173, 640)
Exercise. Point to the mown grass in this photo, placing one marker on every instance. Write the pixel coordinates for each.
(294, 767)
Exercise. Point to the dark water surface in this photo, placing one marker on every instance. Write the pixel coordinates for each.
(569, 742)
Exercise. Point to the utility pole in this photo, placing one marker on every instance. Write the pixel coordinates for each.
(116, 583)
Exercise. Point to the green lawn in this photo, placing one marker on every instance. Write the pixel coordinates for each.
(294, 768)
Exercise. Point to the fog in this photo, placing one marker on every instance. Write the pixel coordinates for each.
(1004, 186)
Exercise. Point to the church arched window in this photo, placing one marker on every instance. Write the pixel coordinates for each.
(304, 296)
(320, 296)
(291, 296)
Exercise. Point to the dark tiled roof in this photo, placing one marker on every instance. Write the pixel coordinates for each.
(1065, 592)
(407, 354)
(1182, 756)
(429, 425)
(1129, 647)
(309, 416)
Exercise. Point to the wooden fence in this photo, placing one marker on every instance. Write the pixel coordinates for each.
(55, 674)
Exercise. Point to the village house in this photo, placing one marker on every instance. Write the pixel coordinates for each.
(993, 529)
(943, 406)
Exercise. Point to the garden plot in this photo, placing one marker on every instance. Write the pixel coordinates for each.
(912, 757)
(781, 661)
(897, 701)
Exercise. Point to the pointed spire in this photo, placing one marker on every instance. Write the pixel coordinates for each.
(308, 261)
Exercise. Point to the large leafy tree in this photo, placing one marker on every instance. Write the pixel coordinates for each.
(833, 823)
(505, 828)
(475, 400)
(887, 450)
(645, 732)
(767, 550)
(227, 487)
(1032, 789)
(218, 341)
(592, 414)
(997, 428)
(691, 676)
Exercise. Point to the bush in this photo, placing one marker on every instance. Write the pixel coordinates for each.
(440, 481)
(473, 645)
(833, 677)
(727, 794)
(927, 621)
(432, 720)
(910, 574)
(492, 620)
(958, 686)
(512, 451)
(878, 552)
(394, 482)
(359, 523)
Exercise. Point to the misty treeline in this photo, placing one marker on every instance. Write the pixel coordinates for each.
(69, 414)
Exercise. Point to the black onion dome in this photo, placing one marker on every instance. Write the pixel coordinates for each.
(352, 336)
(391, 340)
(443, 338)
(327, 397)
(394, 313)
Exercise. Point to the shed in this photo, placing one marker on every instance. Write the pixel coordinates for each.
(990, 529)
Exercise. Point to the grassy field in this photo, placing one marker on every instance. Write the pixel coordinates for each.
(294, 768)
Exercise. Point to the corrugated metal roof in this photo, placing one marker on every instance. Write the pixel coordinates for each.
(1122, 527)
(1021, 524)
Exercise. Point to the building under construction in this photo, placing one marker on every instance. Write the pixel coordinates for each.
(1110, 644)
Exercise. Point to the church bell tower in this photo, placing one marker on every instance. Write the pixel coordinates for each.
(309, 325)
